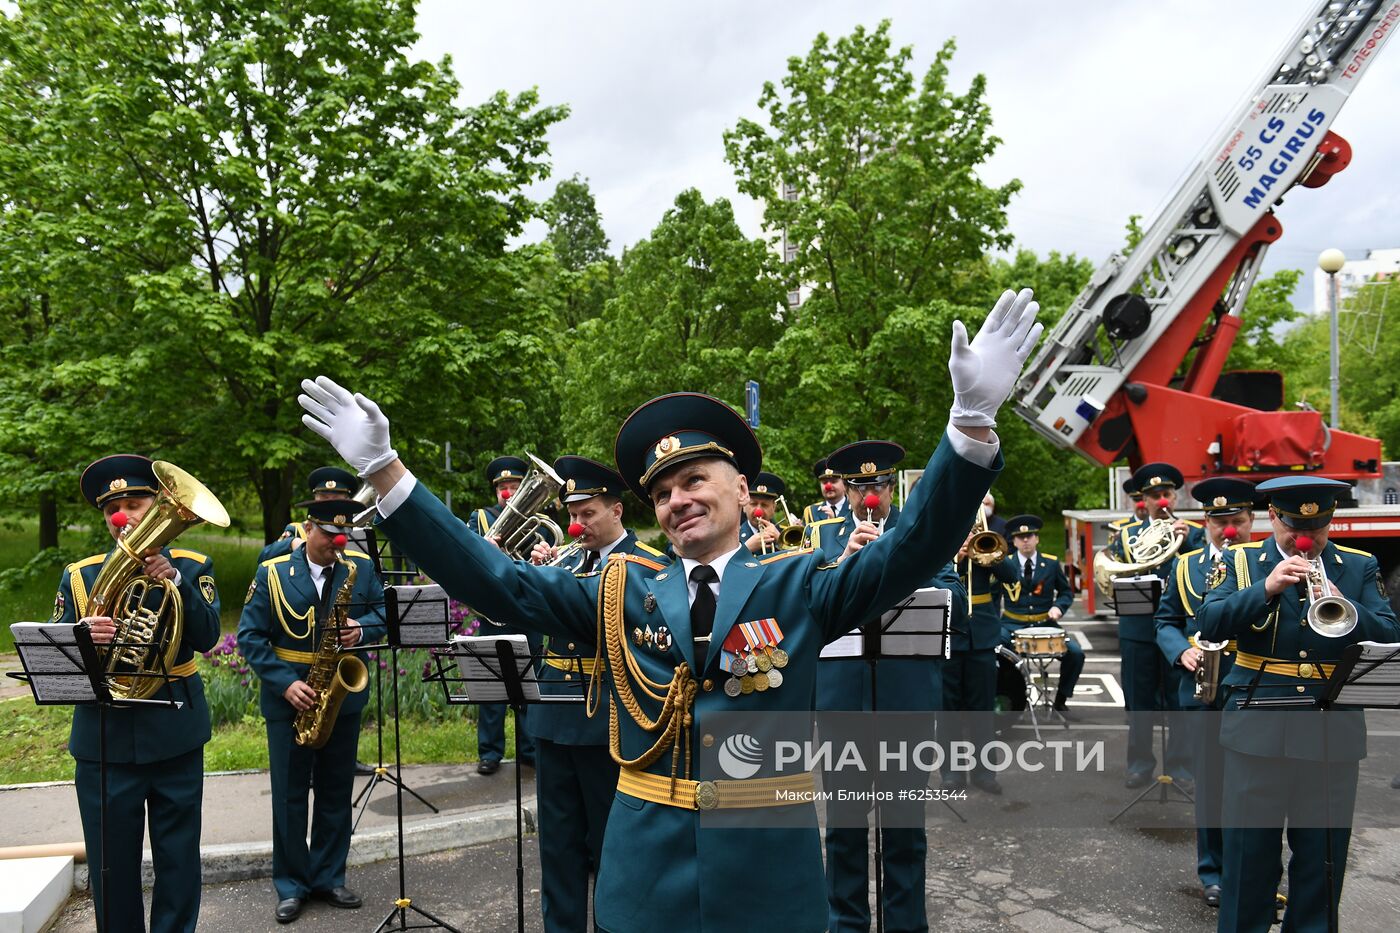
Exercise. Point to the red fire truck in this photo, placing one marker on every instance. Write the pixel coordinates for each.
(1133, 371)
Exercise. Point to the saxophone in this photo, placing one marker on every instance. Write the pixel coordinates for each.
(334, 674)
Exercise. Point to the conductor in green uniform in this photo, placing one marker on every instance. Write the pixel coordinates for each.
(155, 755)
(673, 859)
(1277, 761)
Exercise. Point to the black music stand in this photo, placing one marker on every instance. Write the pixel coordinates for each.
(918, 627)
(416, 616)
(62, 668)
(412, 620)
(1138, 596)
(492, 669)
(1367, 677)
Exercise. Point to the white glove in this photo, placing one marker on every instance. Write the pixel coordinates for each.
(985, 371)
(353, 424)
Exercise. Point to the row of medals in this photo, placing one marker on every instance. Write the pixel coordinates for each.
(758, 670)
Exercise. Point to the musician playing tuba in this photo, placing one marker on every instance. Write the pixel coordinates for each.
(1229, 507)
(1144, 674)
(291, 600)
(154, 753)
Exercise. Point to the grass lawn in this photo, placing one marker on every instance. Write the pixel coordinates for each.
(34, 743)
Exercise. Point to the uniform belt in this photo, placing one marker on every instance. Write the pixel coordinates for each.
(1229, 648)
(1027, 617)
(717, 795)
(571, 665)
(293, 656)
(188, 669)
(1304, 671)
(981, 599)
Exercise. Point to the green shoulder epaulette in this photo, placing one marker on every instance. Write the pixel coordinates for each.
(1192, 553)
(1049, 556)
(649, 549)
(784, 555)
(1352, 550)
(276, 560)
(350, 552)
(188, 554)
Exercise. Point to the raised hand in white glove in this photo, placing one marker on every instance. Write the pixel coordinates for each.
(985, 370)
(353, 424)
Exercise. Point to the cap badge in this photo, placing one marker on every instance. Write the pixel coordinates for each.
(339, 520)
(666, 445)
(868, 467)
(117, 483)
(1308, 508)
(1024, 529)
(1219, 502)
(570, 485)
(1155, 481)
(760, 489)
(330, 484)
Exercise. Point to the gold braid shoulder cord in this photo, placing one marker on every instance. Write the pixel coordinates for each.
(677, 701)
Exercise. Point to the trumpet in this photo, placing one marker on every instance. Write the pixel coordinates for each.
(789, 535)
(1328, 615)
(564, 553)
(985, 548)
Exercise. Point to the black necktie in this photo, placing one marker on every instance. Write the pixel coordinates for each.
(702, 611)
(1030, 570)
(590, 561)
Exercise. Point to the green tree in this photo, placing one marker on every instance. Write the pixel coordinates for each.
(586, 276)
(869, 177)
(696, 304)
(279, 190)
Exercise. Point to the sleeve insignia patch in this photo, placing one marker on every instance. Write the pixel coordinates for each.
(1218, 572)
(206, 586)
(58, 603)
(252, 588)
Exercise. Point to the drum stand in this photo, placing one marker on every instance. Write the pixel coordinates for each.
(1037, 690)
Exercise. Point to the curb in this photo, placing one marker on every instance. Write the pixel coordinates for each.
(241, 861)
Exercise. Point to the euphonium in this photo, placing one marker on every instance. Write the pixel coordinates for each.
(334, 674)
(1208, 670)
(521, 519)
(1328, 615)
(1156, 545)
(147, 638)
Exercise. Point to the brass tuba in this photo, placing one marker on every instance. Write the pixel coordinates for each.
(148, 637)
(1157, 544)
(521, 517)
(1207, 677)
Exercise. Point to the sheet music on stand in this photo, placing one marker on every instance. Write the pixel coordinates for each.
(1367, 676)
(54, 663)
(480, 669)
(916, 628)
(1136, 596)
(418, 616)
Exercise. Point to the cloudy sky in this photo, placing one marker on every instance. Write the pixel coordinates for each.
(1102, 107)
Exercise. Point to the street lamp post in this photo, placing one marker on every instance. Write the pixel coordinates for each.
(1331, 262)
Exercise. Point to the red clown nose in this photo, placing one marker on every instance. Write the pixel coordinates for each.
(506, 494)
(828, 487)
(872, 501)
(119, 519)
(757, 513)
(1230, 533)
(340, 541)
(1163, 502)
(1140, 506)
(1304, 542)
(575, 530)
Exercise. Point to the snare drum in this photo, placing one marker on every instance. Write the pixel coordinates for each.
(1044, 641)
